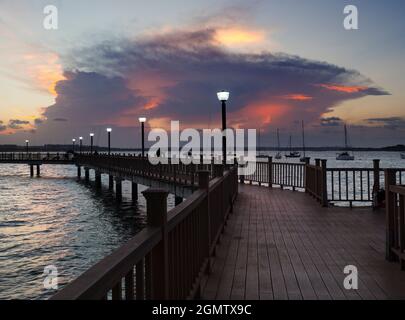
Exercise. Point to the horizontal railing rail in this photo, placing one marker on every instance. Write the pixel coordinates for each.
(35, 156)
(173, 171)
(168, 258)
(284, 175)
(395, 218)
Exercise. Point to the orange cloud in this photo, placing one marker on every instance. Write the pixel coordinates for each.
(258, 114)
(45, 70)
(297, 97)
(237, 36)
(342, 88)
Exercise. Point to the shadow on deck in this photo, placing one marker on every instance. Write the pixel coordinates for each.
(283, 245)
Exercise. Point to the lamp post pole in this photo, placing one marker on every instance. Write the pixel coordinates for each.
(223, 96)
(142, 120)
(26, 145)
(73, 144)
(109, 140)
(91, 142)
(80, 144)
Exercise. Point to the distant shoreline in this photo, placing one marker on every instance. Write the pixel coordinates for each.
(66, 148)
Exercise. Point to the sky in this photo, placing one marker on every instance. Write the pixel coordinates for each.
(283, 61)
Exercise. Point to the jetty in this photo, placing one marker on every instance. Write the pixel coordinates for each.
(287, 231)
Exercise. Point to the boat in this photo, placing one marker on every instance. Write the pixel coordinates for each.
(292, 154)
(278, 155)
(304, 158)
(345, 155)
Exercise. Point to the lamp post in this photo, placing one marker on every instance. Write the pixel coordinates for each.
(142, 120)
(26, 145)
(223, 96)
(73, 144)
(91, 142)
(109, 140)
(80, 144)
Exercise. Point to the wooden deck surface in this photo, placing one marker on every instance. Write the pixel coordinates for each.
(284, 245)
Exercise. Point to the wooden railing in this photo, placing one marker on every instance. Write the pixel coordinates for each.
(358, 185)
(168, 258)
(176, 172)
(395, 219)
(315, 181)
(284, 175)
(344, 186)
(37, 156)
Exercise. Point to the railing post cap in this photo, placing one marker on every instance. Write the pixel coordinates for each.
(154, 192)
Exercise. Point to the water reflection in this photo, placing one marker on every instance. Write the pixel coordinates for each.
(57, 220)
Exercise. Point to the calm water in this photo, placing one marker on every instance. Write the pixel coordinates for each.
(56, 220)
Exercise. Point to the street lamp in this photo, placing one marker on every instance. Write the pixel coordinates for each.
(81, 143)
(223, 96)
(26, 145)
(73, 144)
(91, 142)
(142, 120)
(109, 140)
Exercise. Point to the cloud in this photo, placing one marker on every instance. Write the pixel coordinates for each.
(17, 124)
(38, 121)
(176, 76)
(331, 122)
(391, 123)
(60, 120)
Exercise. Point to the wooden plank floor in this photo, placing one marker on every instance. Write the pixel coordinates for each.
(284, 245)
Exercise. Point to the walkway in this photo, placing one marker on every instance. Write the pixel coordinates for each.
(284, 245)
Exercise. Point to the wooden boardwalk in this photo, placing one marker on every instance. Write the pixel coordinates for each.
(284, 245)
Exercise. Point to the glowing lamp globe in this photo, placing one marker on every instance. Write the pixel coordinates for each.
(223, 95)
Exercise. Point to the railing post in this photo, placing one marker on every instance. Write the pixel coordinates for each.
(376, 186)
(203, 183)
(242, 177)
(324, 184)
(156, 200)
(218, 170)
(307, 163)
(390, 204)
(270, 172)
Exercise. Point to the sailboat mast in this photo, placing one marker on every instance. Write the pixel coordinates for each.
(290, 144)
(278, 140)
(346, 146)
(303, 137)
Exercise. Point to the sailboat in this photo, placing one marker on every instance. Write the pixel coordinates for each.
(278, 155)
(292, 154)
(303, 159)
(345, 156)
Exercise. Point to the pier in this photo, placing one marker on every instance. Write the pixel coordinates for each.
(285, 232)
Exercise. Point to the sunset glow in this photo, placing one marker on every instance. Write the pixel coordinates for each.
(238, 36)
(344, 89)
